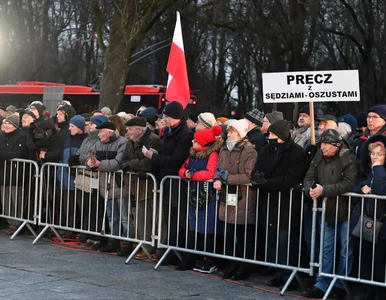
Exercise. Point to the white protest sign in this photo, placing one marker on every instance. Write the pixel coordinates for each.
(289, 87)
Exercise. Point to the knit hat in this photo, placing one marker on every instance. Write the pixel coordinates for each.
(136, 121)
(349, 119)
(63, 102)
(193, 117)
(281, 129)
(222, 120)
(11, 108)
(241, 127)
(207, 136)
(99, 119)
(331, 136)
(207, 119)
(68, 111)
(255, 116)
(274, 116)
(174, 110)
(106, 110)
(14, 120)
(306, 110)
(378, 109)
(28, 112)
(86, 116)
(106, 125)
(78, 121)
(148, 111)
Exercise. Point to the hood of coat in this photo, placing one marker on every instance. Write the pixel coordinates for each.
(206, 151)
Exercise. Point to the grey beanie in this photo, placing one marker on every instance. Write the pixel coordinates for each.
(274, 116)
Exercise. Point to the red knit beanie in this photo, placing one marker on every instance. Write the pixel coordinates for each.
(205, 136)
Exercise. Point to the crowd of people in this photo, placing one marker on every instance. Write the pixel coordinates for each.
(258, 167)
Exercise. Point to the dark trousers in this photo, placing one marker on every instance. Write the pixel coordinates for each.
(235, 242)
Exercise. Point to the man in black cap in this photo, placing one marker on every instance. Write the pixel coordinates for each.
(280, 166)
(255, 136)
(134, 161)
(327, 122)
(172, 155)
(332, 172)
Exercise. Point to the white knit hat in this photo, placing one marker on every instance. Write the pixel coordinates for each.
(241, 126)
(344, 129)
(207, 119)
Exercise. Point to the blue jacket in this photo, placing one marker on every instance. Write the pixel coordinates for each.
(71, 145)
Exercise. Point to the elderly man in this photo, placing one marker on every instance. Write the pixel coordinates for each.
(327, 122)
(332, 173)
(303, 133)
(12, 145)
(269, 119)
(205, 120)
(172, 155)
(107, 157)
(140, 136)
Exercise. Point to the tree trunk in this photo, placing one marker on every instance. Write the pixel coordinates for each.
(115, 69)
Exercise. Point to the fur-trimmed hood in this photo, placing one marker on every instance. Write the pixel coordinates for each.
(215, 147)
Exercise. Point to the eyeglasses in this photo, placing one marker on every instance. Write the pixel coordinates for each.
(373, 117)
(377, 154)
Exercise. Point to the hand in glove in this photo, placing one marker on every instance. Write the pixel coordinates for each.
(258, 179)
(74, 160)
(126, 166)
(224, 175)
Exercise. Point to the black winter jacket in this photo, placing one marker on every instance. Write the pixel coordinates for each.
(257, 139)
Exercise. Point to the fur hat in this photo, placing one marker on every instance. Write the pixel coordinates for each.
(78, 121)
(174, 110)
(207, 136)
(241, 126)
(255, 116)
(281, 129)
(207, 119)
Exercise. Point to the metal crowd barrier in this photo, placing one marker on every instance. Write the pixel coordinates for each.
(19, 190)
(362, 211)
(258, 238)
(111, 204)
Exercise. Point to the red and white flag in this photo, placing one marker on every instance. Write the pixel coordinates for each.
(178, 83)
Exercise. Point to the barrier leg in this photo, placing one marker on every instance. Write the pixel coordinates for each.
(18, 230)
(40, 234)
(162, 258)
(288, 282)
(31, 229)
(330, 287)
(57, 235)
(133, 253)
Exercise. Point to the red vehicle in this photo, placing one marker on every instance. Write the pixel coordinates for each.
(85, 98)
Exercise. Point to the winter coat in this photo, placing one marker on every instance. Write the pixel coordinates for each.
(173, 153)
(12, 145)
(202, 164)
(40, 133)
(303, 136)
(337, 175)
(71, 145)
(87, 144)
(239, 163)
(54, 150)
(257, 139)
(360, 147)
(283, 168)
(138, 162)
(111, 155)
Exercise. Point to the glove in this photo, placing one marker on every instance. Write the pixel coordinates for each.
(74, 160)
(126, 166)
(141, 175)
(258, 179)
(32, 127)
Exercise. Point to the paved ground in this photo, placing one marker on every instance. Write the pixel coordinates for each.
(45, 271)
